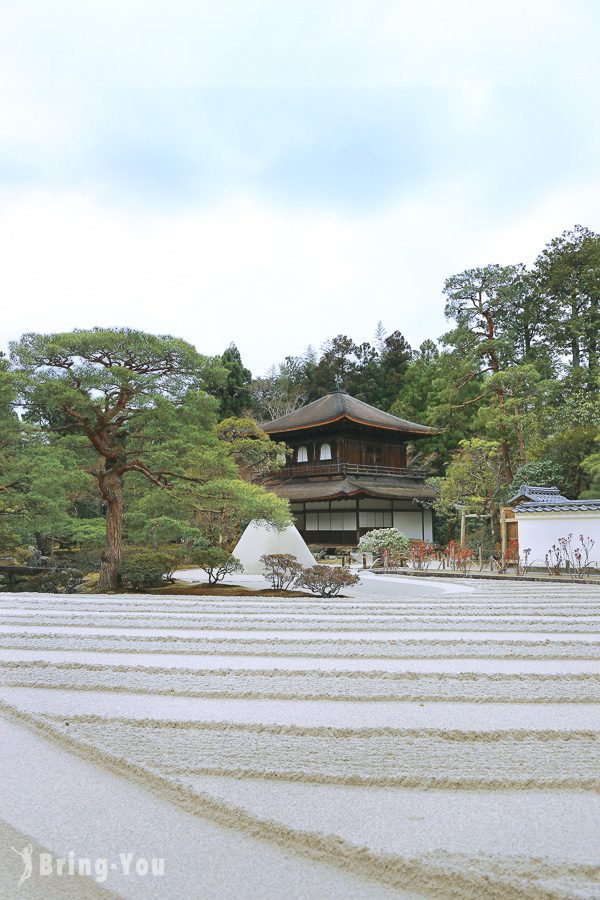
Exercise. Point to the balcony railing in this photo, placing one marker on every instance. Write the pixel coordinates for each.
(343, 468)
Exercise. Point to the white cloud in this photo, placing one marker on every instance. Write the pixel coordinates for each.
(281, 218)
(290, 43)
(269, 279)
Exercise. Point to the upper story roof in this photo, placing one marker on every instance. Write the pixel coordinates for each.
(338, 406)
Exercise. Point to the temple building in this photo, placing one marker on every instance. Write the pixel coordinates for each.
(348, 471)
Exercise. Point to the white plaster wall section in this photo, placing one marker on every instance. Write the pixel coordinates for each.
(539, 531)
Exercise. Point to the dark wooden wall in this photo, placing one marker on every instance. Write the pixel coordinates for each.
(360, 451)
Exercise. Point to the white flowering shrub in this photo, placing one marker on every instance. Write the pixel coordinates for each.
(382, 539)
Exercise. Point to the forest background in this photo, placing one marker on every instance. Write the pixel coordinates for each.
(114, 438)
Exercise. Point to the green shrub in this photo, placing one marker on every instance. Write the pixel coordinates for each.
(343, 551)
(318, 552)
(142, 568)
(281, 569)
(54, 581)
(326, 581)
(87, 559)
(217, 563)
(18, 556)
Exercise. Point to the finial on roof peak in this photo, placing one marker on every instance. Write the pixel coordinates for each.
(338, 383)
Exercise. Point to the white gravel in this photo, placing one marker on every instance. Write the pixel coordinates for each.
(421, 738)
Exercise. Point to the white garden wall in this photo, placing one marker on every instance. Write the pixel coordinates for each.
(540, 530)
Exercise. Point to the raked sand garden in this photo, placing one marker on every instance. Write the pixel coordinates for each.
(418, 739)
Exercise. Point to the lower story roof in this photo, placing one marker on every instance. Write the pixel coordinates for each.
(388, 488)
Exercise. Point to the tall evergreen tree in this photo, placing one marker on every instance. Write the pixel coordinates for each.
(567, 279)
(477, 300)
(234, 393)
(395, 358)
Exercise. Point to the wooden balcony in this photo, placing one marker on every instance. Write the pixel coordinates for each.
(328, 469)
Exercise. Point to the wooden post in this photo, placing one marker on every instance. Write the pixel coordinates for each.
(503, 532)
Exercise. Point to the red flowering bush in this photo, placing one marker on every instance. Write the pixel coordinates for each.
(420, 554)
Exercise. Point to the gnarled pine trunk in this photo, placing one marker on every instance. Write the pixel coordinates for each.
(111, 489)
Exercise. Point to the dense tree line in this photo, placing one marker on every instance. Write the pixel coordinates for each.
(111, 438)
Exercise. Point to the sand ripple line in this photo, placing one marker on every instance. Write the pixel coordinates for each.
(451, 875)
(377, 756)
(330, 639)
(449, 734)
(570, 625)
(314, 649)
(282, 684)
(329, 611)
(164, 612)
(583, 612)
(324, 674)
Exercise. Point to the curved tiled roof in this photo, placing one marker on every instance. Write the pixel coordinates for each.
(560, 506)
(340, 405)
(534, 493)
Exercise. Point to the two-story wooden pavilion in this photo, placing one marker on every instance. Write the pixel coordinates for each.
(348, 471)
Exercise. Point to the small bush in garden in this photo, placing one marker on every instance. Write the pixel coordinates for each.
(280, 569)
(54, 581)
(420, 554)
(326, 581)
(318, 552)
(524, 563)
(87, 559)
(343, 551)
(574, 559)
(388, 540)
(458, 558)
(217, 563)
(512, 552)
(142, 568)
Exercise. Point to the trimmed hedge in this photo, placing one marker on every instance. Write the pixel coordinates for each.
(142, 568)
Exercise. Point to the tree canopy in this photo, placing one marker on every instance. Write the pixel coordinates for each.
(132, 405)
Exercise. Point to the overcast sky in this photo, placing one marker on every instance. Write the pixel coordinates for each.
(274, 173)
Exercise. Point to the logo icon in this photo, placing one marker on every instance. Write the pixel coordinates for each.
(26, 855)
